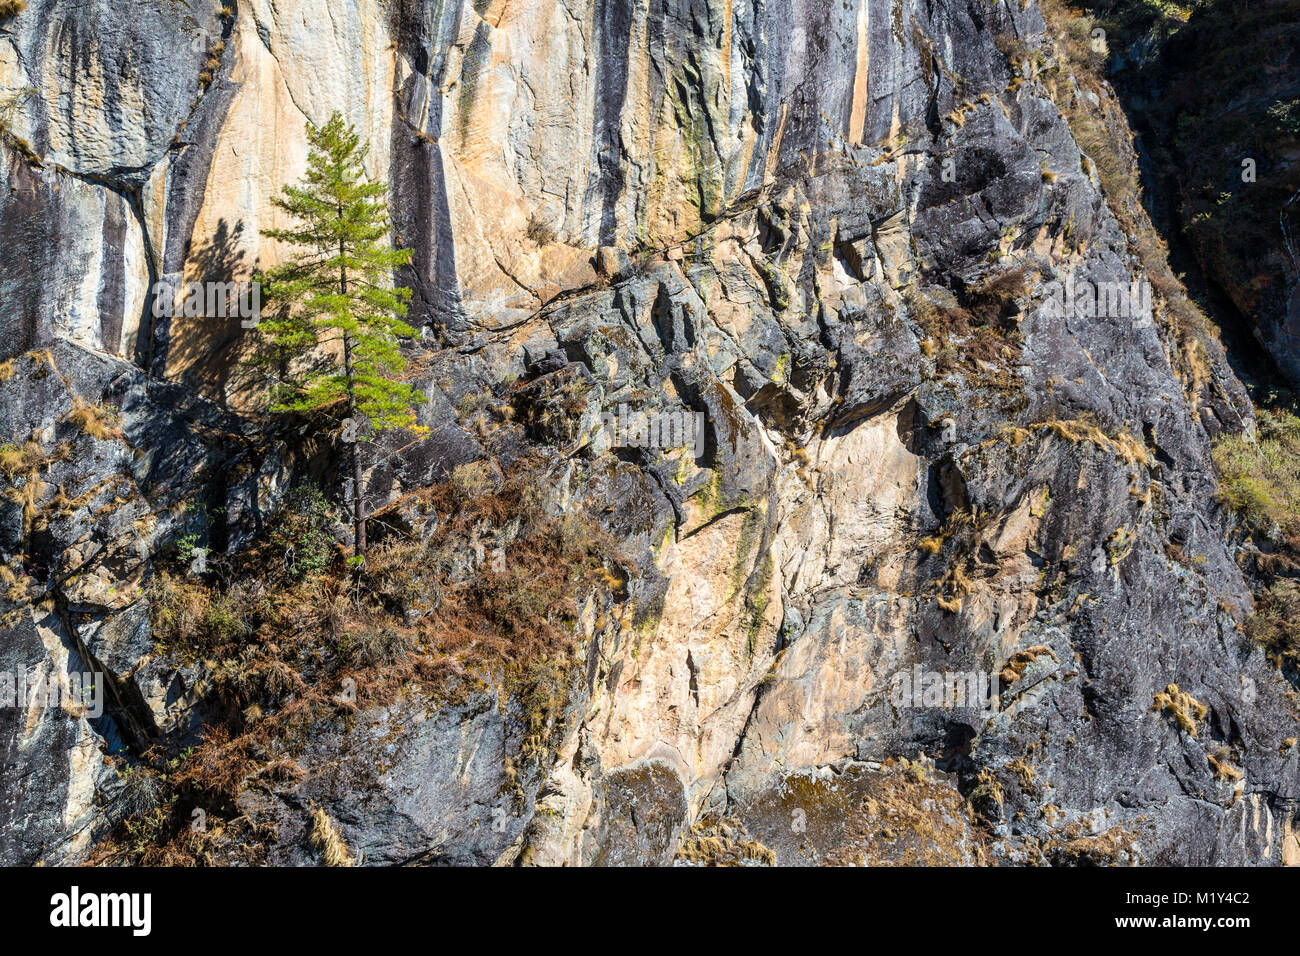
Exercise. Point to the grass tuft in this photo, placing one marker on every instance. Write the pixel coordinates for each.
(97, 422)
(325, 837)
(1185, 709)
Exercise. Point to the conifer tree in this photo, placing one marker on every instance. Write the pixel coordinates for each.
(338, 319)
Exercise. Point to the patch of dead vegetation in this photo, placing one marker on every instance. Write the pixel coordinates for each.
(1078, 431)
(96, 421)
(1019, 662)
(326, 838)
(1185, 709)
(722, 842)
(469, 586)
(976, 334)
(1074, 845)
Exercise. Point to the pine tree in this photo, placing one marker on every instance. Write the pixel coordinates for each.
(338, 318)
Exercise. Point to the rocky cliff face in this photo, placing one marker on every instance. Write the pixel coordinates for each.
(829, 233)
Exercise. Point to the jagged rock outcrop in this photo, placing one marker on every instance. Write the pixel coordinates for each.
(830, 232)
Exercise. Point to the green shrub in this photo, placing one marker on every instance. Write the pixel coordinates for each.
(186, 547)
(1286, 116)
(301, 533)
(192, 619)
(1260, 480)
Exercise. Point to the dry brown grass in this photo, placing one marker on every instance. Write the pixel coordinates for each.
(21, 460)
(723, 843)
(1259, 477)
(1222, 767)
(980, 330)
(99, 423)
(539, 231)
(1185, 709)
(1273, 621)
(1074, 845)
(1259, 480)
(325, 837)
(1122, 444)
(962, 534)
(22, 467)
(1078, 431)
(907, 819)
(277, 648)
(1019, 662)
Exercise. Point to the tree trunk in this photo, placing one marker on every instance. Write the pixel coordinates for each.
(358, 506)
